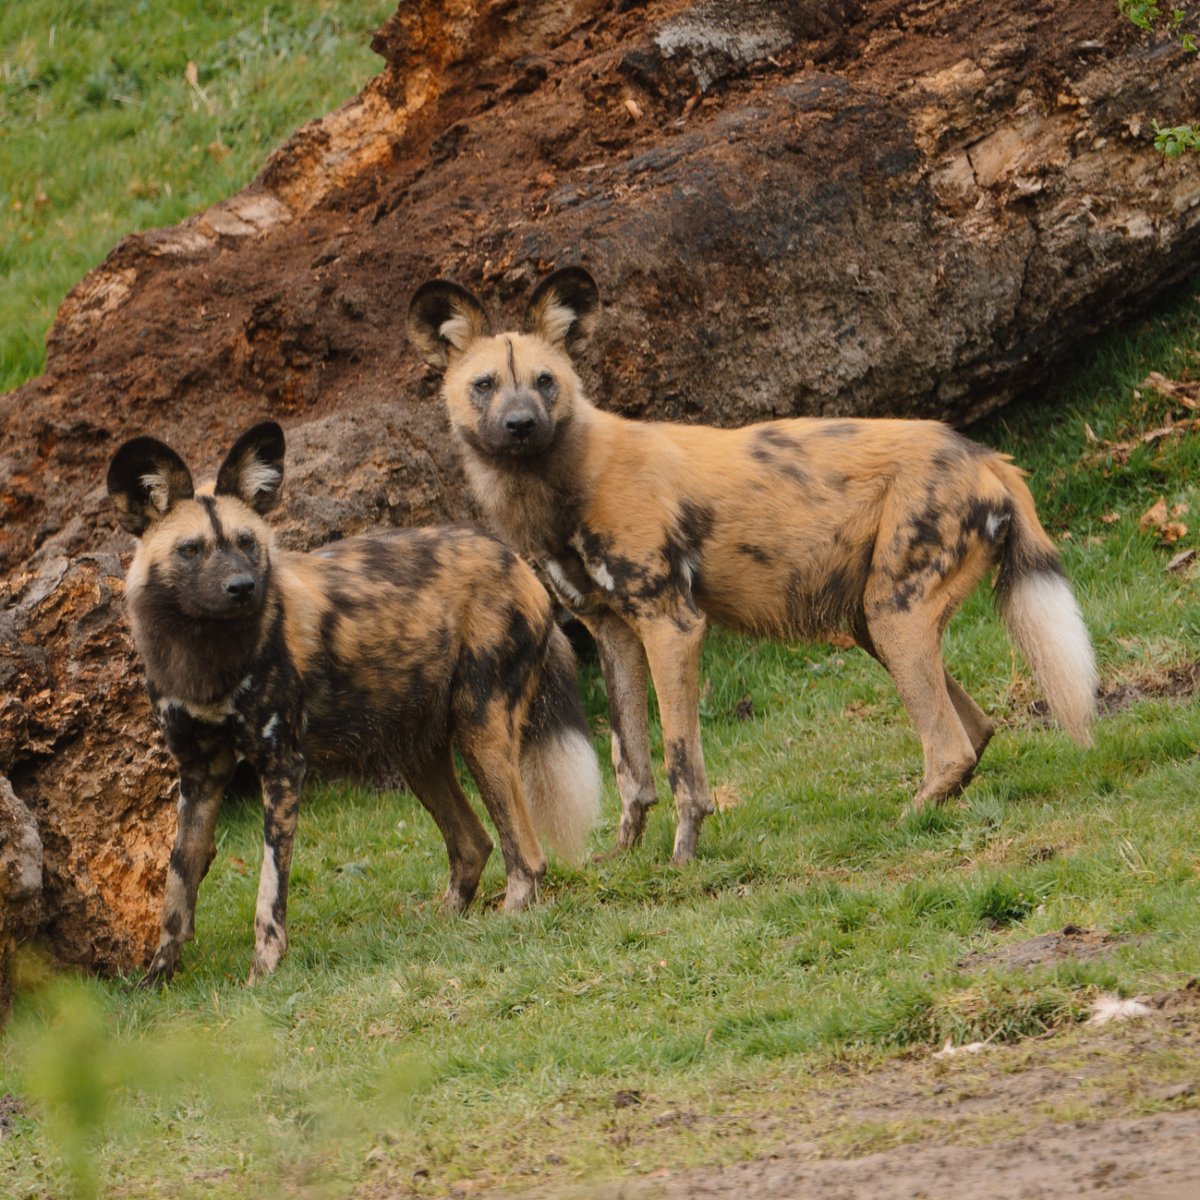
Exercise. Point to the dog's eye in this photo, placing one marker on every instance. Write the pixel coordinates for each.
(545, 381)
(484, 384)
(247, 542)
(188, 549)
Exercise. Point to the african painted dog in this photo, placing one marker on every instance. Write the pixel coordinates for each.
(374, 652)
(786, 529)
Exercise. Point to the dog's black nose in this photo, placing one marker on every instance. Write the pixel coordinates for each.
(519, 425)
(240, 586)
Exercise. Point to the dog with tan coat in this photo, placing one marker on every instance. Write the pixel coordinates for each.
(788, 529)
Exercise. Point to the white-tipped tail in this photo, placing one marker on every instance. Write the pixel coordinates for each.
(561, 778)
(1044, 618)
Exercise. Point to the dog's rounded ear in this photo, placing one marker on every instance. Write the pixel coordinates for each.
(253, 469)
(146, 478)
(564, 308)
(443, 320)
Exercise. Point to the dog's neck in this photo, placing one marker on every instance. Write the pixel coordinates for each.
(199, 662)
(533, 503)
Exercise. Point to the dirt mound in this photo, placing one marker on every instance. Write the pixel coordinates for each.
(1176, 1000)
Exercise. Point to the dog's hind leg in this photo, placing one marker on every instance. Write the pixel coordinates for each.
(623, 662)
(435, 784)
(491, 748)
(673, 651)
(909, 646)
(974, 720)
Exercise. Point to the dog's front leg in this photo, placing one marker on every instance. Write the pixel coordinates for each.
(281, 781)
(201, 788)
(673, 649)
(623, 662)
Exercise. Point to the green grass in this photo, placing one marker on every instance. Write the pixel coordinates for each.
(402, 1046)
(816, 925)
(102, 134)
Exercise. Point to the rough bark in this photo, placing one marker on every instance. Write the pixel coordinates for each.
(20, 883)
(866, 206)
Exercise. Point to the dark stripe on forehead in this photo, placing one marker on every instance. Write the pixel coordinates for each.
(209, 504)
(512, 366)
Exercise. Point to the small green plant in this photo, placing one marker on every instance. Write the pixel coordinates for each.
(1143, 13)
(1173, 140)
(1147, 14)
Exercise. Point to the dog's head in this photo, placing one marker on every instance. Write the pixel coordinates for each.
(203, 554)
(510, 395)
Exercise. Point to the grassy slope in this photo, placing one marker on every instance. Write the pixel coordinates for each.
(101, 132)
(815, 926)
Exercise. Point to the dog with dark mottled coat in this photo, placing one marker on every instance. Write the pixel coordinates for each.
(787, 529)
(373, 654)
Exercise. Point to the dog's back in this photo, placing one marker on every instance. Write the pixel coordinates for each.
(385, 630)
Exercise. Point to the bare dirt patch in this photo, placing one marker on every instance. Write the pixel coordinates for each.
(11, 1107)
(1112, 1112)
(1180, 682)
(1071, 942)
(1147, 1158)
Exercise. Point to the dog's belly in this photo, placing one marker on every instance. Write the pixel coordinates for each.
(792, 592)
(350, 732)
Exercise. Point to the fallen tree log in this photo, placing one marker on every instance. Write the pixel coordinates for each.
(867, 206)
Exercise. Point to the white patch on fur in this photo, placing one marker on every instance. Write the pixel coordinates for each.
(159, 490)
(268, 889)
(1043, 615)
(269, 728)
(212, 714)
(216, 713)
(259, 477)
(561, 778)
(457, 331)
(603, 576)
(267, 954)
(687, 567)
(559, 579)
(995, 522)
(597, 569)
(556, 321)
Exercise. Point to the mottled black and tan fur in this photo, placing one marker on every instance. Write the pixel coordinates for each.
(787, 529)
(372, 655)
